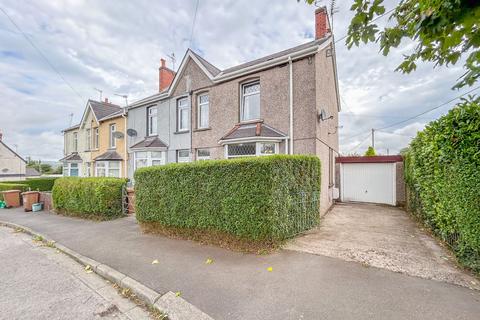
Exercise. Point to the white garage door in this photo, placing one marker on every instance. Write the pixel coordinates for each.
(368, 182)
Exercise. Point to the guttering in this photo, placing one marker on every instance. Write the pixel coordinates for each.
(154, 98)
(290, 98)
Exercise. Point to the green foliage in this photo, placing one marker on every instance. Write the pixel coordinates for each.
(443, 178)
(11, 186)
(264, 199)
(443, 32)
(96, 198)
(370, 152)
(37, 184)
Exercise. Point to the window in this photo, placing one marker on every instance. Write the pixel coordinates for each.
(75, 141)
(113, 141)
(203, 106)
(183, 156)
(95, 138)
(182, 114)
(251, 149)
(70, 169)
(203, 154)
(152, 121)
(87, 167)
(149, 158)
(89, 139)
(107, 169)
(250, 102)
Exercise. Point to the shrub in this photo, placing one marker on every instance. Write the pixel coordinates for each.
(443, 178)
(96, 198)
(264, 199)
(11, 186)
(37, 184)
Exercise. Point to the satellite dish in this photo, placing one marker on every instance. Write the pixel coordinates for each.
(131, 132)
(117, 135)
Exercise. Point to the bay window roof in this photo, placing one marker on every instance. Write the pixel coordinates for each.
(252, 130)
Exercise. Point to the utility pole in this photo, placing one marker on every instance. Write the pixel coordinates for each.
(373, 138)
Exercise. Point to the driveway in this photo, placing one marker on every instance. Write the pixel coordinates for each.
(383, 237)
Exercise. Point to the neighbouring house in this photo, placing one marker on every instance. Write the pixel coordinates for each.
(96, 146)
(12, 165)
(32, 173)
(286, 102)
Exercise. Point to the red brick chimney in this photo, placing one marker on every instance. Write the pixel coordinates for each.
(322, 25)
(165, 77)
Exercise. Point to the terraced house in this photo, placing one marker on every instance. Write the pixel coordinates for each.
(284, 103)
(96, 146)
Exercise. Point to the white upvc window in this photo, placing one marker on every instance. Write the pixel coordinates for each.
(107, 169)
(87, 169)
(250, 101)
(203, 154)
(251, 149)
(149, 158)
(113, 140)
(89, 139)
(183, 155)
(203, 110)
(152, 122)
(71, 169)
(182, 114)
(75, 141)
(96, 137)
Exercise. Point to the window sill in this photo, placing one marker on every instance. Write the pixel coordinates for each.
(251, 121)
(180, 132)
(202, 129)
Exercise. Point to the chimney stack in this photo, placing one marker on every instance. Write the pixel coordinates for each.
(165, 76)
(1, 136)
(106, 100)
(322, 25)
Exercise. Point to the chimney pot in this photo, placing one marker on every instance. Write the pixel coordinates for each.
(322, 25)
(162, 63)
(106, 100)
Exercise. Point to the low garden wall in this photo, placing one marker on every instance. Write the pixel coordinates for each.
(95, 198)
(266, 199)
(443, 178)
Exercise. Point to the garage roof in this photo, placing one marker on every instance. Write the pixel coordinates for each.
(370, 159)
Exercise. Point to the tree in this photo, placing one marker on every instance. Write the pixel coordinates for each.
(45, 168)
(370, 152)
(443, 31)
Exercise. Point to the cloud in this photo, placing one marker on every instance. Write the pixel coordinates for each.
(116, 46)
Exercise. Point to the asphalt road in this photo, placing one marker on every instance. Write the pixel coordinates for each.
(239, 286)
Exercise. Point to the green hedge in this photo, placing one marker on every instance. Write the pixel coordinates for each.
(97, 198)
(11, 186)
(264, 198)
(442, 172)
(37, 184)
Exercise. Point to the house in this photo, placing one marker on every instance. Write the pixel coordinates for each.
(96, 146)
(284, 103)
(12, 165)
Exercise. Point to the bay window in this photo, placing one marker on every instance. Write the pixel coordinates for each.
(70, 169)
(149, 158)
(107, 169)
(251, 149)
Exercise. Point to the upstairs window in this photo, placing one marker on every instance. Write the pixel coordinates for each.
(250, 101)
(182, 114)
(152, 121)
(89, 139)
(95, 138)
(203, 109)
(75, 141)
(113, 140)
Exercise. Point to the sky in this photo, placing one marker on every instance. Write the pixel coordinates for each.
(116, 46)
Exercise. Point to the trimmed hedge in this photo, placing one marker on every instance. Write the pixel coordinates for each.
(37, 184)
(11, 186)
(96, 198)
(442, 172)
(264, 199)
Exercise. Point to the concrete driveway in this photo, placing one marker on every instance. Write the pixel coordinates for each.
(383, 237)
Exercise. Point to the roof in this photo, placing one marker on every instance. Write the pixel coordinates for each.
(72, 157)
(104, 109)
(149, 142)
(210, 67)
(251, 130)
(31, 172)
(110, 155)
(370, 159)
(71, 128)
(16, 154)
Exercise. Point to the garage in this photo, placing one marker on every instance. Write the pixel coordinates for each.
(370, 179)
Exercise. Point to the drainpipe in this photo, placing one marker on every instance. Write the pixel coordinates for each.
(290, 96)
(125, 161)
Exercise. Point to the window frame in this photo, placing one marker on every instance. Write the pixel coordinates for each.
(75, 141)
(242, 99)
(202, 158)
(113, 141)
(107, 167)
(258, 152)
(67, 168)
(199, 110)
(178, 156)
(181, 108)
(96, 138)
(149, 158)
(89, 139)
(150, 118)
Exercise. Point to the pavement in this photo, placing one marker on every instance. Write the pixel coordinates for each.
(383, 237)
(38, 282)
(283, 285)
